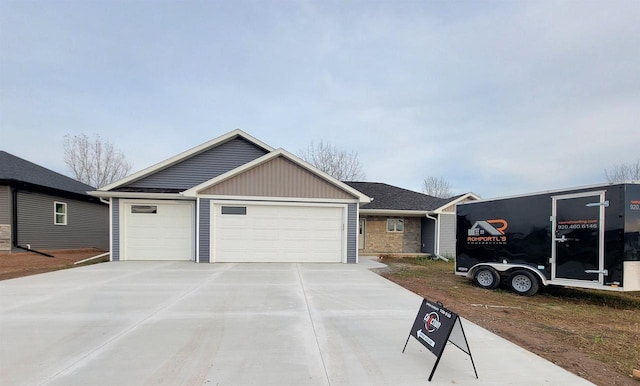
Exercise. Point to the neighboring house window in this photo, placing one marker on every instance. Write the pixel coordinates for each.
(395, 225)
(60, 213)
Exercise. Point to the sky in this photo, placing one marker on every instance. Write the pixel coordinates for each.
(496, 97)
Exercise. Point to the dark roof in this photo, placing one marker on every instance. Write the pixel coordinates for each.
(17, 170)
(394, 198)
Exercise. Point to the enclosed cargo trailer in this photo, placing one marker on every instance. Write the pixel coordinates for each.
(582, 237)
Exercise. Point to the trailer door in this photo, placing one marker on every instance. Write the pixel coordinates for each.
(577, 252)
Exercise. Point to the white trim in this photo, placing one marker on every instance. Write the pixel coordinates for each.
(456, 201)
(197, 256)
(192, 192)
(65, 213)
(389, 212)
(123, 218)
(554, 191)
(141, 195)
(186, 154)
(278, 199)
(111, 230)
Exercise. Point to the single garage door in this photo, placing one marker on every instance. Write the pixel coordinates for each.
(277, 233)
(162, 230)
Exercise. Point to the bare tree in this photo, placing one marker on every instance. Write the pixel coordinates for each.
(436, 187)
(94, 161)
(339, 164)
(624, 172)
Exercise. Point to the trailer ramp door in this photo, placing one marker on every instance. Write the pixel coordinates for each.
(578, 244)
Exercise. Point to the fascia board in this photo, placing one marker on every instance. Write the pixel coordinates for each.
(394, 212)
(364, 199)
(457, 200)
(141, 195)
(192, 192)
(185, 154)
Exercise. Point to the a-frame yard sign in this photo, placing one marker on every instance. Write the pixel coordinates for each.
(434, 327)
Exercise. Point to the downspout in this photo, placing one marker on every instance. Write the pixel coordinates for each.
(14, 231)
(435, 238)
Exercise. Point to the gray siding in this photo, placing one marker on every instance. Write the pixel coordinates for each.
(87, 223)
(205, 230)
(115, 230)
(202, 167)
(447, 234)
(5, 204)
(5, 218)
(352, 233)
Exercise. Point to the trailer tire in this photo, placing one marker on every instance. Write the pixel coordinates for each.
(486, 277)
(523, 283)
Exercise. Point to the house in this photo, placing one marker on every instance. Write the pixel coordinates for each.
(401, 221)
(44, 210)
(233, 199)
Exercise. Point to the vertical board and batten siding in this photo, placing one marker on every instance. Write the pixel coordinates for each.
(278, 177)
(87, 223)
(205, 231)
(115, 229)
(5, 218)
(5, 204)
(447, 235)
(202, 167)
(352, 233)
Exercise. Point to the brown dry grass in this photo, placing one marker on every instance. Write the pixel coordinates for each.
(594, 334)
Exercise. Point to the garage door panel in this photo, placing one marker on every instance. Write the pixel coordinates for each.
(167, 234)
(277, 233)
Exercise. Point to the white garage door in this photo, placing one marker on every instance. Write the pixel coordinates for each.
(276, 233)
(158, 231)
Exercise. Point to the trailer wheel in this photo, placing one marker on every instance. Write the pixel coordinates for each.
(523, 283)
(486, 277)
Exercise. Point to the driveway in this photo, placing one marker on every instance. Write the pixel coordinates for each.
(181, 323)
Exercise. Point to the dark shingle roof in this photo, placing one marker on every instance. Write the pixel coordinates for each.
(394, 198)
(16, 169)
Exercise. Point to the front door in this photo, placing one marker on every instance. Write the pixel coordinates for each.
(361, 233)
(578, 242)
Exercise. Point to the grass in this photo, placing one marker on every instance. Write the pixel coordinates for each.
(600, 325)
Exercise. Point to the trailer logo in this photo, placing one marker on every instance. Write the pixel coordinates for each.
(488, 232)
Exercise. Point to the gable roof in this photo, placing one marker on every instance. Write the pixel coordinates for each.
(15, 170)
(185, 155)
(392, 198)
(363, 198)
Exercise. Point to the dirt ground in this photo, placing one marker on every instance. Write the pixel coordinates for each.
(594, 334)
(19, 264)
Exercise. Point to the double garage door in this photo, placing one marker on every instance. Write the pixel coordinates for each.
(165, 230)
(277, 233)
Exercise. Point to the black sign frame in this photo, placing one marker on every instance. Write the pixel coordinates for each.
(433, 328)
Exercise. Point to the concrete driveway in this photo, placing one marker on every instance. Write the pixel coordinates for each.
(180, 323)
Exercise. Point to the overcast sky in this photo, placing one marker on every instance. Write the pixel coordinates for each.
(497, 97)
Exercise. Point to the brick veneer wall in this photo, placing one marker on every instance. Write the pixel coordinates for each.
(378, 240)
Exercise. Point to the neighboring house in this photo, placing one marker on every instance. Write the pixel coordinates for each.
(44, 210)
(233, 199)
(403, 221)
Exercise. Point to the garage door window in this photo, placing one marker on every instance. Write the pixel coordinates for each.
(145, 209)
(237, 210)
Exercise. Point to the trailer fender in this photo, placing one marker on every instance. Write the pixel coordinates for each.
(503, 268)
